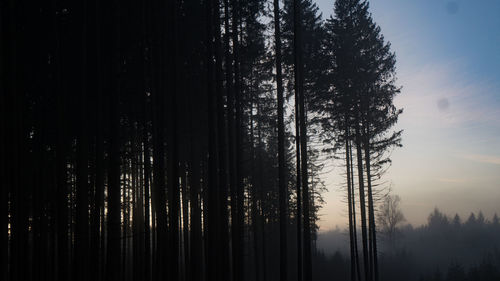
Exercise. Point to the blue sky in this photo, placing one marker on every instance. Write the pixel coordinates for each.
(448, 63)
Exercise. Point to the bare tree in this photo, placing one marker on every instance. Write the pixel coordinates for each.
(389, 218)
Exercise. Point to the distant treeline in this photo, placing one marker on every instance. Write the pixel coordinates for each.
(446, 248)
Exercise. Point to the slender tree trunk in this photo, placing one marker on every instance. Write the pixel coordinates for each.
(305, 182)
(371, 211)
(96, 252)
(147, 68)
(283, 194)
(124, 203)
(4, 211)
(19, 213)
(255, 231)
(61, 167)
(238, 238)
(349, 202)
(159, 189)
(297, 74)
(173, 189)
(82, 190)
(147, 208)
(256, 160)
(223, 235)
(185, 225)
(362, 203)
(36, 214)
(113, 226)
(4, 116)
(264, 237)
(231, 123)
(135, 212)
(354, 227)
(212, 184)
(194, 189)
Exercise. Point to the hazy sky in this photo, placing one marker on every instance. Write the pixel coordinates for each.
(448, 62)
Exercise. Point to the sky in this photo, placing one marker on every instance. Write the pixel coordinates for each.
(448, 64)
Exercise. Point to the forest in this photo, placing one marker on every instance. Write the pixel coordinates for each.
(185, 140)
(446, 248)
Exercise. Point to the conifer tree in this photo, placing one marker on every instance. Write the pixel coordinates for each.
(361, 105)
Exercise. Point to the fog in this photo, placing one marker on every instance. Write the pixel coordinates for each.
(447, 247)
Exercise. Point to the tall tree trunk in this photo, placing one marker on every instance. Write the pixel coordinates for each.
(283, 192)
(113, 269)
(138, 217)
(212, 183)
(349, 202)
(194, 189)
(147, 208)
(303, 141)
(124, 204)
(160, 91)
(37, 208)
(4, 210)
(297, 74)
(19, 214)
(82, 190)
(263, 236)
(223, 235)
(371, 209)
(305, 179)
(62, 189)
(173, 190)
(147, 68)
(231, 122)
(362, 203)
(256, 177)
(159, 189)
(185, 225)
(354, 227)
(4, 116)
(97, 252)
(238, 238)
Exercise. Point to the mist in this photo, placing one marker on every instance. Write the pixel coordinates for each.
(447, 247)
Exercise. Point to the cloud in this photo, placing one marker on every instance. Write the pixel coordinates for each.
(489, 159)
(444, 95)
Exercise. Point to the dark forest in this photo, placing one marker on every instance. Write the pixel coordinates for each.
(185, 140)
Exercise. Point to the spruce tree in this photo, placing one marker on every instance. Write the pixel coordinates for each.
(360, 103)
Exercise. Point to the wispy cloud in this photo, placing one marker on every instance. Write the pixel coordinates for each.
(489, 159)
(445, 95)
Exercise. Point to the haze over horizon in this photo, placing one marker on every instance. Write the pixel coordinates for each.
(448, 66)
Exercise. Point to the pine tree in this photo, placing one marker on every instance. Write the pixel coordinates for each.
(363, 79)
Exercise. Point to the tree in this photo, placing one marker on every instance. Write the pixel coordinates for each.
(390, 217)
(457, 222)
(437, 220)
(362, 89)
(495, 220)
(113, 268)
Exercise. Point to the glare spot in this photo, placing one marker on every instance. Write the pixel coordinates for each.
(443, 104)
(452, 7)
